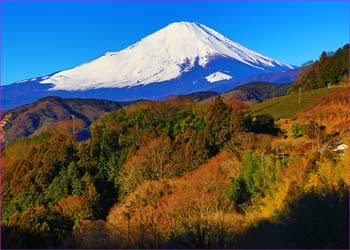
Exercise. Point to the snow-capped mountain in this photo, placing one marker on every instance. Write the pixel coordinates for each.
(181, 58)
(161, 56)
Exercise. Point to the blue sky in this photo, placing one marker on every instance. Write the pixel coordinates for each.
(43, 37)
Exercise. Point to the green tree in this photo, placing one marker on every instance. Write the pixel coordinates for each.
(255, 179)
(236, 120)
(218, 125)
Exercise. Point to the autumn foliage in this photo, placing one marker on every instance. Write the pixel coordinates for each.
(181, 174)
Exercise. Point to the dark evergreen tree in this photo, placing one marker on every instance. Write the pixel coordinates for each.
(218, 125)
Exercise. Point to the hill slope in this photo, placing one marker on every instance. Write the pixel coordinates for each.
(252, 92)
(257, 92)
(34, 118)
(287, 106)
(333, 111)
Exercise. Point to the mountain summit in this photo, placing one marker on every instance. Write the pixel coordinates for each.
(181, 58)
(161, 56)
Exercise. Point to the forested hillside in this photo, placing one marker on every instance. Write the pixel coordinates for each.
(180, 174)
(329, 70)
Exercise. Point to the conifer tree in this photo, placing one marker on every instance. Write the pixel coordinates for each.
(218, 125)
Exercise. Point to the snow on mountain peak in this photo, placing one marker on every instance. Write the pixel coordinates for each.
(161, 56)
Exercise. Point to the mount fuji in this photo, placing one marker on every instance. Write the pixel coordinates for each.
(179, 59)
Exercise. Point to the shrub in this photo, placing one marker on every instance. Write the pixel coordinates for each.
(255, 179)
(298, 130)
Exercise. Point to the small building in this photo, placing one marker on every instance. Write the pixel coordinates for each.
(341, 147)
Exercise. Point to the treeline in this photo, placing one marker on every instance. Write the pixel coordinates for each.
(327, 71)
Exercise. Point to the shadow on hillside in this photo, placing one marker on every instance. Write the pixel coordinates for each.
(264, 124)
(314, 221)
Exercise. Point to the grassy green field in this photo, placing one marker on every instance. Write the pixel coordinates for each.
(287, 106)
